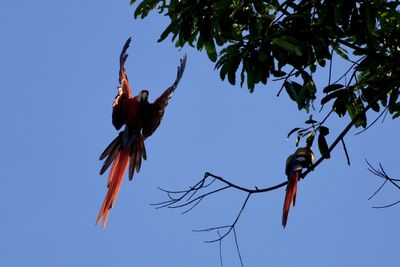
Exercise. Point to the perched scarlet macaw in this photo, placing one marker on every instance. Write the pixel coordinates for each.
(141, 119)
(302, 158)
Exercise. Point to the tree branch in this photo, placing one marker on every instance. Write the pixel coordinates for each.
(195, 194)
(176, 197)
(350, 45)
(382, 174)
(230, 227)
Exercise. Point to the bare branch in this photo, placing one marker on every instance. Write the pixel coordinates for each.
(251, 191)
(349, 69)
(191, 197)
(382, 174)
(377, 191)
(188, 196)
(330, 75)
(237, 247)
(220, 249)
(285, 79)
(229, 227)
(350, 45)
(345, 151)
(387, 206)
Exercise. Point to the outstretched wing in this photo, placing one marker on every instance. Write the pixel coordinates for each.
(120, 105)
(155, 111)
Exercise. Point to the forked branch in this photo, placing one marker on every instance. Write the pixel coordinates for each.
(380, 172)
(191, 197)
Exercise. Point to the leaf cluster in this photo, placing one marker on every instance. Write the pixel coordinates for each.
(314, 128)
(260, 39)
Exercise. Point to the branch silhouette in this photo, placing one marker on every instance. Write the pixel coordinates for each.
(193, 196)
(380, 172)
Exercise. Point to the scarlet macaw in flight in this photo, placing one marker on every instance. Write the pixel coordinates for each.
(302, 158)
(141, 119)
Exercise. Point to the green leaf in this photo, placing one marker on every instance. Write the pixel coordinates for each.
(335, 94)
(242, 77)
(166, 32)
(356, 109)
(232, 77)
(292, 131)
(223, 72)
(323, 146)
(278, 73)
(392, 100)
(210, 48)
(396, 115)
(144, 8)
(298, 139)
(375, 107)
(310, 121)
(290, 90)
(286, 45)
(310, 140)
(384, 100)
(339, 107)
(234, 61)
(263, 57)
(370, 18)
(250, 80)
(229, 63)
(200, 44)
(323, 130)
(341, 52)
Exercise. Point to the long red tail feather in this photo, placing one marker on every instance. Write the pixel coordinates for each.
(290, 196)
(114, 184)
(119, 157)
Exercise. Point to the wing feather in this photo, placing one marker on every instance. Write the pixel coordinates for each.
(120, 104)
(155, 111)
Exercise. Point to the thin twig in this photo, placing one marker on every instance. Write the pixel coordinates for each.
(349, 69)
(257, 190)
(285, 79)
(386, 206)
(220, 249)
(350, 45)
(382, 174)
(372, 123)
(379, 189)
(237, 247)
(345, 151)
(384, 116)
(329, 76)
(188, 196)
(230, 227)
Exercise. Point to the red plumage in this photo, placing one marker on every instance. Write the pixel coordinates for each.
(141, 119)
(290, 196)
(114, 184)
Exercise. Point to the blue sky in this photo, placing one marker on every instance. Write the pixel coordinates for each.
(59, 71)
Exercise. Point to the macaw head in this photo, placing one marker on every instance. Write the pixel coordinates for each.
(143, 95)
(304, 156)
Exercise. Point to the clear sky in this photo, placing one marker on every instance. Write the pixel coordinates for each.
(58, 78)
